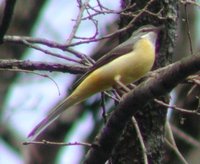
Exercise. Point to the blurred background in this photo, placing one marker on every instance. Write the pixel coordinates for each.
(25, 98)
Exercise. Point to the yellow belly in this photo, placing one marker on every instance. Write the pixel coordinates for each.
(129, 67)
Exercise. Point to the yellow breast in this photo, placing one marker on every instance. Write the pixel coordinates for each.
(132, 66)
(129, 68)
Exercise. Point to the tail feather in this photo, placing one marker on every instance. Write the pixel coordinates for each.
(52, 116)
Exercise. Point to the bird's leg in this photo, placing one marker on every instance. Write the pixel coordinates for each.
(117, 95)
(121, 84)
(132, 86)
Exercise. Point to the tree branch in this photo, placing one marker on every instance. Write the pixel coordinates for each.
(41, 66)
(161, 84)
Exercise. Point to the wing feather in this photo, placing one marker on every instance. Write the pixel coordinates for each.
(113, 54)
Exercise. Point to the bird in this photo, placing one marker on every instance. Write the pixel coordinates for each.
(126, 63)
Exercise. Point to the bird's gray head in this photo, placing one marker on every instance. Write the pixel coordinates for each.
(149, 31)
(152, 36)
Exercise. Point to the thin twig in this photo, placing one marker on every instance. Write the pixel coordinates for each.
(111, 96)
(108, 11)
(172, 144)
(100, 5)
(78, 22)
(176, 151)
(116, 32)
(36, 73)
(177, 108)
(170, 135)
(44, 142)
(43, 41)
(144, 151)
(65, 47)
(95, 22)
(46, 42)
(50, 53)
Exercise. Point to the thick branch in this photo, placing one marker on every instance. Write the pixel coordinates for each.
(159, 85)
(15, 65)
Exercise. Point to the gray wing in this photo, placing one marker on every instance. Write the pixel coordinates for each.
(110, 56)
(120, 50)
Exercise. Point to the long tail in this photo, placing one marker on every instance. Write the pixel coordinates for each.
(52, 116)
(91, 85)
